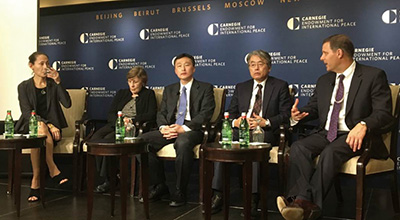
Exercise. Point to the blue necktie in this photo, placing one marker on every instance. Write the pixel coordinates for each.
(333, 125)
(182, 107)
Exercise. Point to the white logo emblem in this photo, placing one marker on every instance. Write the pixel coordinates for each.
(173, 61)
(213, 29)
(84, 38)
(390, 16)
(245, 58)
(295, 89)
(56, 65)
(113, 64)
(293, 23)
(144, 34)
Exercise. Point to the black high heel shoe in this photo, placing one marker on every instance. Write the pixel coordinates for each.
(34, 193)
(57, 180)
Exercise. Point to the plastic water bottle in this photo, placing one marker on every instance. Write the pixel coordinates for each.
(226, 130)
(244, 136)
(33, 125)
(258, 134)
(130, 130)
(119, 128)
(9, 125)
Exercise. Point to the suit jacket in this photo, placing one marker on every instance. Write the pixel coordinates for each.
(56, 94)
(369, 100)
(201, 105)
(276, 104)
(146, 105)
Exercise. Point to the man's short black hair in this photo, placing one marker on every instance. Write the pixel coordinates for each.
(185, 55)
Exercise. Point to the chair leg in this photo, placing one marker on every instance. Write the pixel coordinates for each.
(285, 174)
(395, 192)
(338, 190)
(82, 172)
(281, 174)
(133, 175)
(360, 192)
(75, 175)
(201, 178)
(140, 185)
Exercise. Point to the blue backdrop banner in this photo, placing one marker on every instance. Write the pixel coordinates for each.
(96, 49)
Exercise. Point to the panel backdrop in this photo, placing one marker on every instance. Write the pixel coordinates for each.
(96, 49)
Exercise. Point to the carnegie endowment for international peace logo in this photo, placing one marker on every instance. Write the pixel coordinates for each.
(391, 16)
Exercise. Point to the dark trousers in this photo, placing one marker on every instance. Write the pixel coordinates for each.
(183, 145)
(313, 183)
(102, 163)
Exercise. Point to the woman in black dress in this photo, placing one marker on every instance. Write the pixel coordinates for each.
(43, 93)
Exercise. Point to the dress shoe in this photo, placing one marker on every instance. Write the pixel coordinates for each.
(158, 192)
(216, 203)
(281, 202)
(301, 209)
(292, 212)
(103, 188)
(178, 199)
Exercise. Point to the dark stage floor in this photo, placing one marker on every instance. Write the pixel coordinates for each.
(62, 205)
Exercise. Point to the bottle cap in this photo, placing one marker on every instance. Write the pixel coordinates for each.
(119, 113)
(226, 114)
(244, 114)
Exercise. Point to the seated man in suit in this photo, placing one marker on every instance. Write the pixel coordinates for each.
(185, 106)
(348, 100)
(266, 101)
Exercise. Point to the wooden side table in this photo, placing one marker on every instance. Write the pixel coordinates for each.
(121, 150)
(15, 146)
(215, 152)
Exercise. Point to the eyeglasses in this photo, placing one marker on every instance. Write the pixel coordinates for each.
(259, 64)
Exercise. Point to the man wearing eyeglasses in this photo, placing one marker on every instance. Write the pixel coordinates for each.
(266, 101)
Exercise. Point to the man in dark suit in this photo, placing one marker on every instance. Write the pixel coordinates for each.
(272, 109)
(349, 100)
(185, 106)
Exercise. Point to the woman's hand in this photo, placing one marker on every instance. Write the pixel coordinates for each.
(54, 131)
(127, 121)
(53, 74)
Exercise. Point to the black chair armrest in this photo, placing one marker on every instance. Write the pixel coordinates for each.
(283, 137)
(366, 155)
(206, 132)
(146, 126)
(93, 125)
(211, 131)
